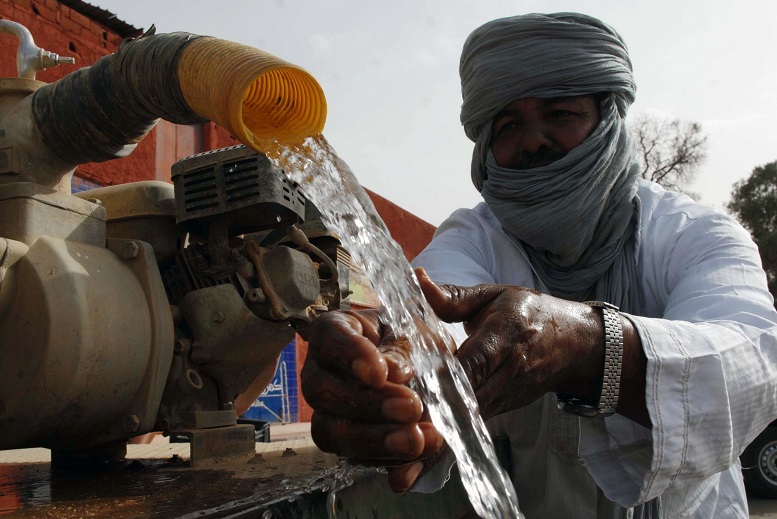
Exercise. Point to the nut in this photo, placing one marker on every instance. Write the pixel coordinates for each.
(130, 250)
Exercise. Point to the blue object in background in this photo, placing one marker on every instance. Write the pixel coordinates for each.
(78, 184)
(279, 401)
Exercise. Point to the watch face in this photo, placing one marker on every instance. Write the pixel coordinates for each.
(573, 405)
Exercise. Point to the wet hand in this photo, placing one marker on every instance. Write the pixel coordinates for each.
(355, 378)
(522, 344)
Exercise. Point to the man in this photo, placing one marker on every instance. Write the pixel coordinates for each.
(641, 411)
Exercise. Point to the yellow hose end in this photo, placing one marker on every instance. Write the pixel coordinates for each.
(256, 96)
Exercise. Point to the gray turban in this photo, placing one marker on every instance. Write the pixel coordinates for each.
(574, 217)
(537, 55)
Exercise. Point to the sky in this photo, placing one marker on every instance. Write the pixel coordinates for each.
(390, 74)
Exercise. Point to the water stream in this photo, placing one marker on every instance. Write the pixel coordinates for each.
(328, 182)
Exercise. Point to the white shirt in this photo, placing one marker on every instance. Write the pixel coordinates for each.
(708, 329)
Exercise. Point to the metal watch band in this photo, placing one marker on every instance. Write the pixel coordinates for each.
(613, 360)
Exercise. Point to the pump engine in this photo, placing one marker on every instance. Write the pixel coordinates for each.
(146, 306)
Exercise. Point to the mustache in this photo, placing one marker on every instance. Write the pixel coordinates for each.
(541, 157)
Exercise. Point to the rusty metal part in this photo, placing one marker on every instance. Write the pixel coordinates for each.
(218, 445)
(288, 280)
(230, 346)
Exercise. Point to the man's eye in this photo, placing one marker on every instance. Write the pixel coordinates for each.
(563, 114)
(506, 128)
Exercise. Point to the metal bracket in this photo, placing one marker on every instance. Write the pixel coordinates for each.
(234, 443)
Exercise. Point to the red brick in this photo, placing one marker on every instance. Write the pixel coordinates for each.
(47, 13)
(52, 4)
(79, 18)
(23, 3)
(69, 25)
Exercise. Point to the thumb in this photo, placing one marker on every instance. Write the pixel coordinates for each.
(453, 303)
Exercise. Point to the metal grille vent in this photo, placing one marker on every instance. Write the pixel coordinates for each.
(291, 192)
(241, 179)
(240, 188)
(200, 189)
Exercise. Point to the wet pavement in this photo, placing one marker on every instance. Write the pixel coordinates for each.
(288, 478)
(155, 482)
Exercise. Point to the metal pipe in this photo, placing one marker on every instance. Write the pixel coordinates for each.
(30, 59)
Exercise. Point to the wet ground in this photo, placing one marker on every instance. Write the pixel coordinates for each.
(287, 479)
(282, 477)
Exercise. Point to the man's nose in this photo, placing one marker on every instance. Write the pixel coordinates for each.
(534, 138)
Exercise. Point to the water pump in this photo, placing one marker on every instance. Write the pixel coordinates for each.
(145, 306)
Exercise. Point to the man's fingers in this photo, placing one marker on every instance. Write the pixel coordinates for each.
(349, 399)
(453, 303)
(402, 478)
(361, 442)
(482, 353)
(338, 341)
(396, 353)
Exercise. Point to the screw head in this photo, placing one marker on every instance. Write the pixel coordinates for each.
(218, 316)
(130, 250)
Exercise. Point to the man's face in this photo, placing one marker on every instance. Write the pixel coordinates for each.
(533, 132)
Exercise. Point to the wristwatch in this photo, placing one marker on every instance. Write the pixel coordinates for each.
(613, 359)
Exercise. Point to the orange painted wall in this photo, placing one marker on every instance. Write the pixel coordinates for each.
(58, 28)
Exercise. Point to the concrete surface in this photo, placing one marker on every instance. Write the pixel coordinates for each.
(762, 508)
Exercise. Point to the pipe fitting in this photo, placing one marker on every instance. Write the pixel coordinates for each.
(30, 59)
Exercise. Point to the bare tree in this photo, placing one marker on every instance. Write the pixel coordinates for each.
(671, 150)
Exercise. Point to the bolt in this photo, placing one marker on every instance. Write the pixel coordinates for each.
(130, 250)
(218, 316)
(131, 423)
(181, 345)
(256, 296)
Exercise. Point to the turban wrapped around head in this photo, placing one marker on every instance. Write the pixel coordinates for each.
(538, 55)
(574, 217)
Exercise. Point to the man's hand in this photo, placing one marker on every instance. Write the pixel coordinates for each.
(523, 344)
(355, 378)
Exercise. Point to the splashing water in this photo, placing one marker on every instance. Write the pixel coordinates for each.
(441, 383)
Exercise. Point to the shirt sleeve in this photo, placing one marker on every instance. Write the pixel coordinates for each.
(455, 255)
(711, 351)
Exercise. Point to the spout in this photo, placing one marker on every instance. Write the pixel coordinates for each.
(30, 59)
(101, 112)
